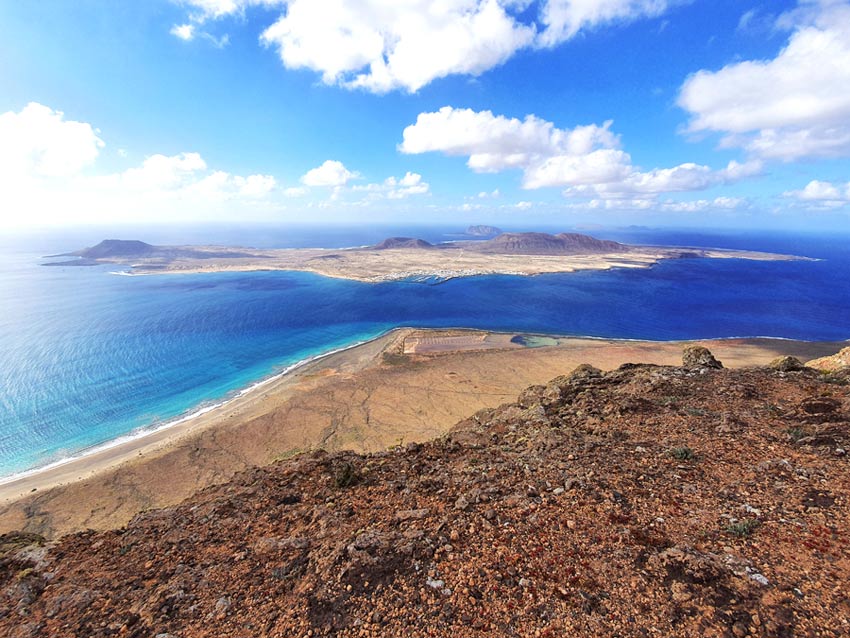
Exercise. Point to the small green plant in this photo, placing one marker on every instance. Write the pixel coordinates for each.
(795, 433)
(773, 408)
(744, 528)
(683, 453)
(695, 412)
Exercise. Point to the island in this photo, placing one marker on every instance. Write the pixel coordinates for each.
(481, 230)
(405, 258)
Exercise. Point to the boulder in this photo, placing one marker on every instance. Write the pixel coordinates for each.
(786, 364)
(696, 357)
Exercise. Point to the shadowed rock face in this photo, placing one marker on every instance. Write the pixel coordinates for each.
(646, 500)
(401, 242)
(546, 244)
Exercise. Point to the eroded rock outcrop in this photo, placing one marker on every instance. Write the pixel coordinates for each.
(832, 363)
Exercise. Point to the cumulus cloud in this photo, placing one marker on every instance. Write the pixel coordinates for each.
(585, 160)
(40, 142)
(681, 178)
(383, 45)
(331, 173)
(182, 177)
(48, 173)
(396, 188)
(796, 105)
(818, 194)
(160, 171)
(494, 142)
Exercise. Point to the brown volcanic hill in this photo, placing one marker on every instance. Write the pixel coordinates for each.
(546, 244)
(117, 248)
(109, 250)
(401, 242)
(648, 501)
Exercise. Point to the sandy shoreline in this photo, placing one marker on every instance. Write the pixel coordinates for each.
(138, 440)
(406, 385)
(113, 453)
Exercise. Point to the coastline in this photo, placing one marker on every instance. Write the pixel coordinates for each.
(138, 438)
(406, 385)
(114, 452)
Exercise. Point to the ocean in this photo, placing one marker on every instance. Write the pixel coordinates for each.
(87, 356)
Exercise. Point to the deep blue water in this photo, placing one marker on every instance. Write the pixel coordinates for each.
(86, 356)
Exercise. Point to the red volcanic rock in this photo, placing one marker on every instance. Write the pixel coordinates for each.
(647, 501)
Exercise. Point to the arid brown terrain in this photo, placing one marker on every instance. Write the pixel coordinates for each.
(646, 501)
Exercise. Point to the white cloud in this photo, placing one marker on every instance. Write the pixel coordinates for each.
(185, 32)
(585, 160)
(818, 194)
(717, 204)
(495, 142)
(383, 45)
(563, 19)
(523, 205)
(681, 178)
(746, 19)
(203, 11)
(701, 205)
(793, 106)
(330, 173)
(43, 181)
(396, 188)
(214, 9)
(161, 172)
(40, 142)
(182, 176)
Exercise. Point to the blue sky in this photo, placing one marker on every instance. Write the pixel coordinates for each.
(573, 112)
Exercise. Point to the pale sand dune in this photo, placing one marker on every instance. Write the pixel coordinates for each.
(366, 398)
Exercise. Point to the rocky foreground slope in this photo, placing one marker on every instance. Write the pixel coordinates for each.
(648, 501)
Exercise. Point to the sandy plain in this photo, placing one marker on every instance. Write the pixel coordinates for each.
(406, 386)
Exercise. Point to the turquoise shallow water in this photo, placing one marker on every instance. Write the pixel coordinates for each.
(87, 356)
